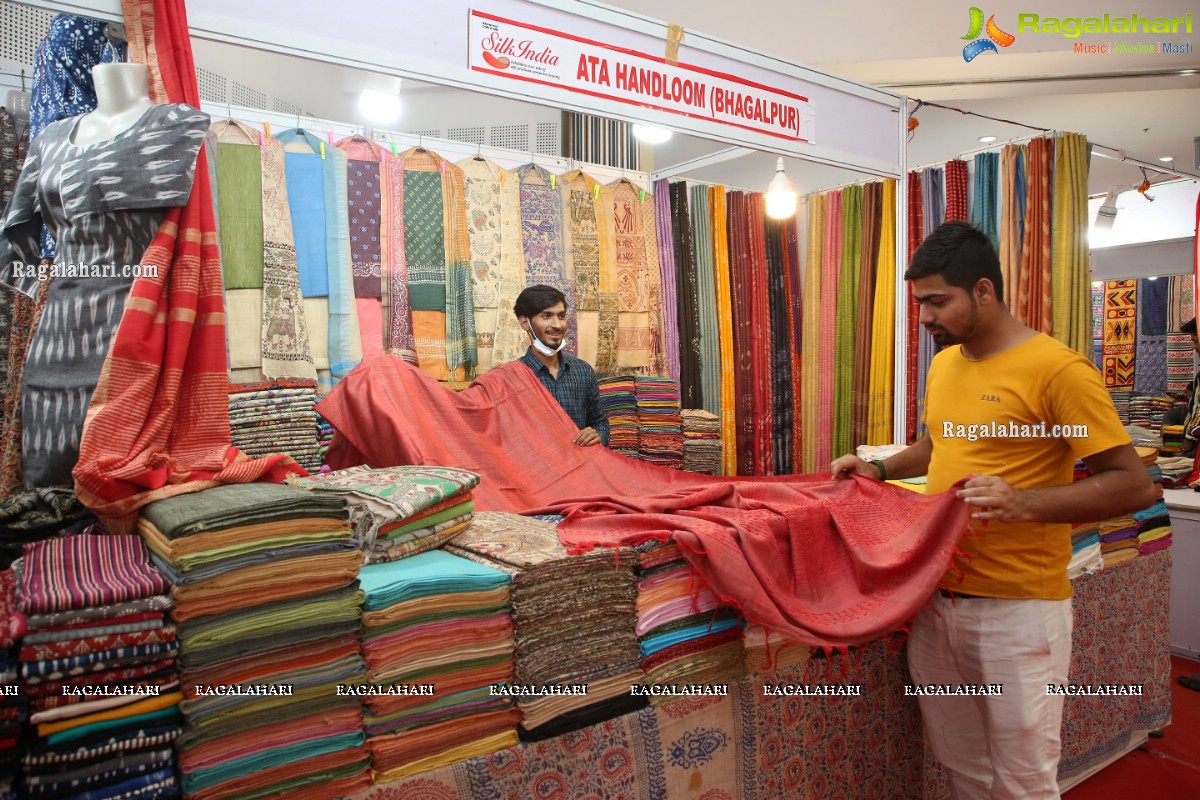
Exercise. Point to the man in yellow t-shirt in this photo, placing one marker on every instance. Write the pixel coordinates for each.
(1009, 410)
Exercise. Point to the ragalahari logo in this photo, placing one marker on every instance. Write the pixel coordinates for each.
(995, 36)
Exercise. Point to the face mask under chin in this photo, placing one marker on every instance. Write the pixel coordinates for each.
(543, 348)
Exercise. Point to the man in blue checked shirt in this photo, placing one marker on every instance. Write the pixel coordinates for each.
(542, 312)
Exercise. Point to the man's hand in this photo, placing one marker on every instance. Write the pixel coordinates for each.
(995, 499)
(847, 465)
(587, 437)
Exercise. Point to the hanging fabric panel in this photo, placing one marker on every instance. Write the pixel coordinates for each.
(239, 195)
(760, 335)
(795, 319)
(956, 191)
(706, 300)
(1035, 286)
(810, 354)
(827, 337)
(1120, 331)
(1098, 326)
(847, 299)
(936, 193)
(688, 321)
(780, 384)
(1012, 218)
(668, 248)
(865, 314)
(883, 328)
(583, 257)
(627, 242)
(1151, 348)
(511, 341)
(320, 192)
(1070, 263)
(915, 235)
(743, 343)
(481, 196)
(722, 271)
(1180, 354)
(983, 209)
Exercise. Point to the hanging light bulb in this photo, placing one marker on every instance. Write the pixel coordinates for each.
(781, 194)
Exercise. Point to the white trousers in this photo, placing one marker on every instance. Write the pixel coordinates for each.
(994, 748)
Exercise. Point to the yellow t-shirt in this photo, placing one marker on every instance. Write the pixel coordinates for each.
(1003, 402)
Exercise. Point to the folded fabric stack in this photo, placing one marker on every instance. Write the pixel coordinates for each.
(1174, 470)
(1173, 440)
(1153, 528)
(437, 636)
(1085, 550)
(618, 401)
(1147, 410)
(324, 439)
(400, 511)
(269, 609)
(276, 417)
(660, 430)
(574, 619)
(771, 651)
(1118, 540)
(701, 441)
(1121, 399)
(14, 706)
(687, 635)
(97, 665)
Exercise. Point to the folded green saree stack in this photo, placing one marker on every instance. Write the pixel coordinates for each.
(438, 642)
(400, 511)
(268, 610)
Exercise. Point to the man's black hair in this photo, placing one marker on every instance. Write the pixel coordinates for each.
(533, 300)
(1189, 327)
(962, 254)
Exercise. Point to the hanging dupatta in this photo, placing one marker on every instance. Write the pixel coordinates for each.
(481, 196)
(158, 422)
(1035, 283)
(511, 340)
(809, 355)
(1012, 178)
(667, 244)
(628, 241)
(428, 179)
(344, 345)
(542, 237)
(284, 341)
(915, 235)
(722, 272)
(827, 355)
(883, 328)
(865, 314)
(763, 413)
(580, 194)
(1070, 266)
(847, 301)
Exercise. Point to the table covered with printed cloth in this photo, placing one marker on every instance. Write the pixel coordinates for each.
(748, 746)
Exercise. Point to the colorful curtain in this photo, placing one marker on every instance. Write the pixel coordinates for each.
(158, 423)
(915, 235)
(1120, 331)
(865, 316)
(760, 336)
(883, 327)
(845, 324)
(724, 281)
(1070, 265)
(831, 262)
(956, 190)
(983, 209)
(1035, 288)
(940, 189)
(1012, 219)
(688, 319)
(663, 204)
(706, 300)
(1150, 352)
(810, 361)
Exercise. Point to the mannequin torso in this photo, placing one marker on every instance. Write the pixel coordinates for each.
(122, 97)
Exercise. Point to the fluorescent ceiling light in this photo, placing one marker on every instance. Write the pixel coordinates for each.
(379, 107)
(1166, 159)
(650, 134)
(987, 139)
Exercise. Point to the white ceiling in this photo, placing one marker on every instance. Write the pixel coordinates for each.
(1146, 106)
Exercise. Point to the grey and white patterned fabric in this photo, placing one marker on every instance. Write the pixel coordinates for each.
(103, 203)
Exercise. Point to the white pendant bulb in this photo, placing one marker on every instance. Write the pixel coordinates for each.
(781, 194)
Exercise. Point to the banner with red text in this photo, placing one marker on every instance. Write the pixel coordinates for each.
(526, 52)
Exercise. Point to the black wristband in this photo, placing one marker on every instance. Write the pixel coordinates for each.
(882, 471)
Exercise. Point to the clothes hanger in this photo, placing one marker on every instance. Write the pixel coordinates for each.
(479, 153)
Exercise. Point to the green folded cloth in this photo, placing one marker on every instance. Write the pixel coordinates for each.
(238, 505)
(460, 510)
(267, 759)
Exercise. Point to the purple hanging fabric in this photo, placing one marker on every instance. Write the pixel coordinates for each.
(666, 259)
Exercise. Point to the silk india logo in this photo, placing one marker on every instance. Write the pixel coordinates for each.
(995, 36)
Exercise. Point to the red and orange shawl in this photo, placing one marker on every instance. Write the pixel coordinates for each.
(158, 423)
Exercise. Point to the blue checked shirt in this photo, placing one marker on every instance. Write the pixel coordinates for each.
(575, 390)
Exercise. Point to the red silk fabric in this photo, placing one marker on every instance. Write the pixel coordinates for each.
(830, 563)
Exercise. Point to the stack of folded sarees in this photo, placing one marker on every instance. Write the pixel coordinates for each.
(269, 610)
